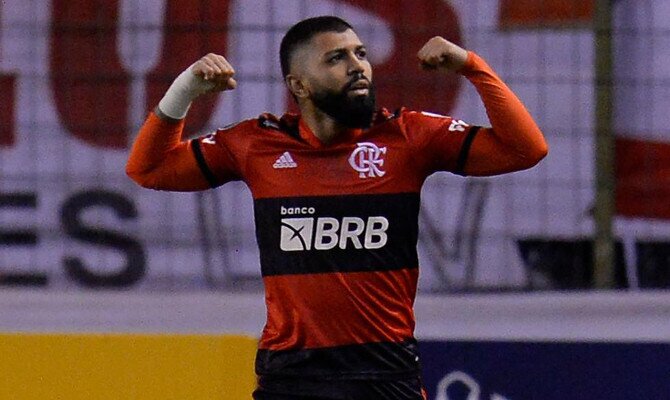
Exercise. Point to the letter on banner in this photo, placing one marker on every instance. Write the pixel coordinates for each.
(76, 228)
(91, 85)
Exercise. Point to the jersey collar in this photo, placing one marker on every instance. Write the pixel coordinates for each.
(308, 136)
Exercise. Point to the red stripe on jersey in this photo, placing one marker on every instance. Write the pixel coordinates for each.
(333, 309)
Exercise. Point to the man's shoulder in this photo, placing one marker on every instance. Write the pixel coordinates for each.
(421, 114)
(288, 122)
(402, 114)
(412, 119)
(383, 115)
(262, 124)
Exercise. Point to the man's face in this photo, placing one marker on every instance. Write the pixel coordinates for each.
(337, 77)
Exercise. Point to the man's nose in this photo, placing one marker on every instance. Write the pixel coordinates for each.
(355, 65)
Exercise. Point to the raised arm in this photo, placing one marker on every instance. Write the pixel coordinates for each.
(158, 158)
(514, 142)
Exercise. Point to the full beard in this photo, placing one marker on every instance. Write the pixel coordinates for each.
(352, 112)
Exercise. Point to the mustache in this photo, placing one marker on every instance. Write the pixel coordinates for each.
(355, 79)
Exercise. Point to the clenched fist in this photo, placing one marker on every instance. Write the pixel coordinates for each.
(217, 70)
(439, 53)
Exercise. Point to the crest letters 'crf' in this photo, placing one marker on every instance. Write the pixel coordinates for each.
(367, 160)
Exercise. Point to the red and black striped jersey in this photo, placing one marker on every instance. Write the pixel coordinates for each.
(337, 229)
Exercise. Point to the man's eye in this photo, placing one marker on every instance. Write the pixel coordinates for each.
(335, 58)
(362, 54)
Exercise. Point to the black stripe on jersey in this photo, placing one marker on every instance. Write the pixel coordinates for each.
(465, 150)
(409, 388)
(360, 361)
(200, 159)
(352, 233)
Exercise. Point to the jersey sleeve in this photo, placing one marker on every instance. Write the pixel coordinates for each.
(441, 143)
(220, 155)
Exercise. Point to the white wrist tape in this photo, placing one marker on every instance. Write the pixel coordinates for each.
(177, 100)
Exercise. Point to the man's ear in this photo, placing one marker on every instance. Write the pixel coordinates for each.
(296, 86)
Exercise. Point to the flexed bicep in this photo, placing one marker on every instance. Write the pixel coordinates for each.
(514, 142)
(490, 154)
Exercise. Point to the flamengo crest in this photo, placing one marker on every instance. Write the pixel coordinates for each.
(367, 160)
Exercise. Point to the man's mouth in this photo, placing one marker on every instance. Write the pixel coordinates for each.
(359, 87)
(360, 92)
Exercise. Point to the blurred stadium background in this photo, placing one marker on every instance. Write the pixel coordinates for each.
(544, 284)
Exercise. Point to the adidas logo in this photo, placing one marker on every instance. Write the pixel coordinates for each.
(285, 161)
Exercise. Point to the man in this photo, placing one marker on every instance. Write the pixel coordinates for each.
(336, 199)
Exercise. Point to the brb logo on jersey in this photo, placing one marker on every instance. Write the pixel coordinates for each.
(326, 233)
(367, 160)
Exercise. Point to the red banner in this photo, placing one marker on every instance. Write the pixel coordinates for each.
(534, 13)
(7, 84)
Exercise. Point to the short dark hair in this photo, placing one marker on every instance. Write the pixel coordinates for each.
(303, 31)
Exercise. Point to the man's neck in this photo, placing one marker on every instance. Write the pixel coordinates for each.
(324, 127)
